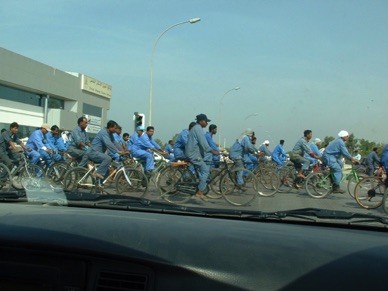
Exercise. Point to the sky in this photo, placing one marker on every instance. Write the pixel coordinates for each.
(319, 65)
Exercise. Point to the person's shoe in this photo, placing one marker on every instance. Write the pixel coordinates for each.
(242, 188)
(337, 189)
(201, 195)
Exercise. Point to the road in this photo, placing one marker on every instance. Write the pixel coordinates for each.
(282, 201)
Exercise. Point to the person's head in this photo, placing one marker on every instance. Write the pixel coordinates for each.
(375, 149)
(54, 130)
(202, 119)
(171, 142)
(356, 152)
(253, 139)
(191, 125)
(126, 136)
(13, 127)
(45, 128)
(266, 143)
(4, 129)
(140, 130)
(111, 126)
(308, 134)
(82, 122)
(344, 135)
(150, 131)
(118, 129)
(317, 141)
(282, 142)
(213, 128)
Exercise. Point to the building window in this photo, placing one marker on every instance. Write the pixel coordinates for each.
(21, 96)
(55, 103)
(91, 110)
(25, 97)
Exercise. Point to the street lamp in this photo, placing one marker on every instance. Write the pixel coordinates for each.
(219, 114)
(193, 20)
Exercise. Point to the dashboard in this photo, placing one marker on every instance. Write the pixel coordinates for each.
(68, 248)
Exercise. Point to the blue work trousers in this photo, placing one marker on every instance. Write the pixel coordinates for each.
(335, 166)
(100, 158)
(203, 172)
(147, 156)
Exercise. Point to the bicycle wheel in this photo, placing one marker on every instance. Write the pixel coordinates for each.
(79, 178)
(30, 171)
(56, 173)
(269, 183)
(369, 192)
(5, 178)
(131, 181)
(287, 180)
(239, 193)
(318, 184)
(214, 185)
(176, 185)
(352, 182)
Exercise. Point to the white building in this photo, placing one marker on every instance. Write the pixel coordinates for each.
(32, 93)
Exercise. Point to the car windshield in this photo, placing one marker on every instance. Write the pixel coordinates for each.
(254, 109)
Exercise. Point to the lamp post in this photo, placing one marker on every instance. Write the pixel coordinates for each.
(219, 114)
(193, 20)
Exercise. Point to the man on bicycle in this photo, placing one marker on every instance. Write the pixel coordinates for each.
(40, 148)
(79, 142)
(238, 151)
(332, 157)
(300, 148)
(8, 151)
(196, 148)
(143, 149)
(181, 141)
(103, 141)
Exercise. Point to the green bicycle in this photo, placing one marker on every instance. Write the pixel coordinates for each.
(319, 184)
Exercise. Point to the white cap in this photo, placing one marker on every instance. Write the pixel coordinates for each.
(45, 126)
(266, 142)
(343, 133)
(317, 140)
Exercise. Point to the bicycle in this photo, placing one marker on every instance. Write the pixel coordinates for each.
(319, 184)
(369, 192)
(25, 171)
(127, 179)
(177, 184)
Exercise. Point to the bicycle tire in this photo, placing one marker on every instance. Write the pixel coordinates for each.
(78, 178)
(287, 180)
(318, 184)
(56, 173)
(269, 183)
(5, 178)
(136, 185)
(352, 182)
(25, 172)
(239, 195)
(369, 192)
(168, 184)
(214, 186)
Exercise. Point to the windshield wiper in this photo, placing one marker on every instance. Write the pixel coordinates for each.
(316, 213)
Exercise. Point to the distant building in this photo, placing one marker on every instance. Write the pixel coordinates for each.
(32, 93)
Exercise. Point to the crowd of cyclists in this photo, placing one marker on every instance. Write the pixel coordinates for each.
(45, 146)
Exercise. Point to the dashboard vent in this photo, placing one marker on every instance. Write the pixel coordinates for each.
(109, 281)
